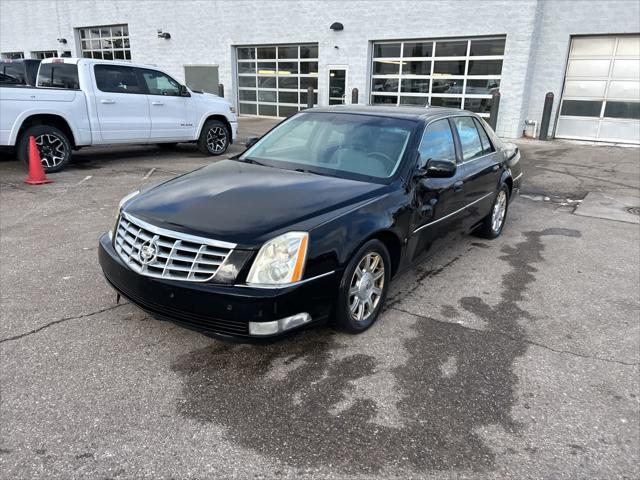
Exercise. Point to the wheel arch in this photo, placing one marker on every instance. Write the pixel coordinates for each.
(392, 243)
(507, 180)
(54, 120)
(221, 118)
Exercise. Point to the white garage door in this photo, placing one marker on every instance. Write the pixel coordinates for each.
(601, 98)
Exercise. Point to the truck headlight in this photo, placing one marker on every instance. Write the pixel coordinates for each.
(280, 260)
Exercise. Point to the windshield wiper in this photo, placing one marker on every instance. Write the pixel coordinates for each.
(253, 161)
(304, 170)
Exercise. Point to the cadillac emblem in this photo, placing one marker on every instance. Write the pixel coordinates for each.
(148, 252)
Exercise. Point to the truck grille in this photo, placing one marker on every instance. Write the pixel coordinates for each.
(160, 253)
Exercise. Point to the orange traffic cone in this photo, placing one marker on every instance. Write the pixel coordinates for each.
(36, 171)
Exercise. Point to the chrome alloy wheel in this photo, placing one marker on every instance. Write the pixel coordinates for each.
(499, 211)
(52, 149)
(217, 139)
(365, 289)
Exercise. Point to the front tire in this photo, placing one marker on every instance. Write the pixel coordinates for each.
(493, 223)
(53, 145)
(363, 288)
(214, 138)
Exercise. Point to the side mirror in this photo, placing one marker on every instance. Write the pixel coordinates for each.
(251, 141)
(184, 92)
(438, 169)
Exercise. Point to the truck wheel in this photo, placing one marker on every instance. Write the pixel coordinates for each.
(53, 144)
(214, 138)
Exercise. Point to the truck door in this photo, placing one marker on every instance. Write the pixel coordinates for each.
(170, 119)
(121, 104)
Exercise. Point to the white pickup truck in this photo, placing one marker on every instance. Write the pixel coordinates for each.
(81, 102)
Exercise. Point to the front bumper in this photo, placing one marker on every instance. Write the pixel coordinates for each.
(234, 131)
(217, 310)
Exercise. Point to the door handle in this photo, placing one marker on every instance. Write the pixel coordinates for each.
(457, 186)
(107, 101)
(157, 103)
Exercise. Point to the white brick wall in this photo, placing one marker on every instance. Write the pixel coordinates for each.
(560, 20)
(204, 32)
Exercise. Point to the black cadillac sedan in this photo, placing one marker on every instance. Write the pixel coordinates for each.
(312, 221)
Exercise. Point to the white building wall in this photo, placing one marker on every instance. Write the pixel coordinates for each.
(558, 22)
(204, 32)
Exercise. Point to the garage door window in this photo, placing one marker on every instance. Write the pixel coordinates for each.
(273, 80)
(460, 73)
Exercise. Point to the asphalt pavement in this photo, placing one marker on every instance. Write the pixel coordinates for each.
(512, 358)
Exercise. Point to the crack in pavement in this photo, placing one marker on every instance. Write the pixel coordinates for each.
(61, 320)
(510, 337)
(590, 177)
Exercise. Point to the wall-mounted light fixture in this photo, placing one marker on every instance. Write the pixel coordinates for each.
(336, 26)
(62, 40)
(165, 35)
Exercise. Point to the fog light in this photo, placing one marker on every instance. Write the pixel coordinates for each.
(277, 326)
(263, 328)
(294, 321)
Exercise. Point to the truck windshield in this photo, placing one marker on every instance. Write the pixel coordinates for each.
(337, 144)
(58, 75)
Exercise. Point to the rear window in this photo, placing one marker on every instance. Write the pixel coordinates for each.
(12, 74)
(59, 75)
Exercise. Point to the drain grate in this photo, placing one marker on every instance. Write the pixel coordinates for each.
(634, 210)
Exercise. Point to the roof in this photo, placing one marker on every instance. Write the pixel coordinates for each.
(391, 111)
(93, 61)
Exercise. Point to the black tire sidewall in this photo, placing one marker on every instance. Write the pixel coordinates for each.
(487, 230)
(342, 317)
(35, 131)
(202, 141)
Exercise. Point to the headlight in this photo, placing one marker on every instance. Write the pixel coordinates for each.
(232, 109)
(124, 200)
(280, 260)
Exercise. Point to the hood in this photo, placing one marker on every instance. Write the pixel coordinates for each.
(244, 203)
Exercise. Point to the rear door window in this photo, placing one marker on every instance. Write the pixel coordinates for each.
(469, 138)
(117, 79)
(486, 143)
(59, 75)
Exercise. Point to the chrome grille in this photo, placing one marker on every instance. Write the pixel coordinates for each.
(156, 252)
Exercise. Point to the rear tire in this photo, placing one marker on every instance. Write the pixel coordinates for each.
(214, 138)
(53, 144)
(493, 224)
(363, 288)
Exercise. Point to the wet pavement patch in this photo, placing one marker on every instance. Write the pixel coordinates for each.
(279, 399)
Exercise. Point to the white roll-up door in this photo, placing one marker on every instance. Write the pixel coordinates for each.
(601, 97)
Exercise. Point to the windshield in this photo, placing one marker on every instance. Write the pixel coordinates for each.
(339, 144)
